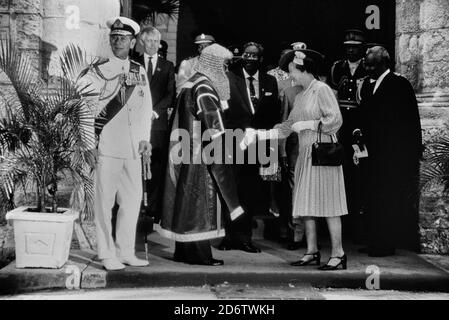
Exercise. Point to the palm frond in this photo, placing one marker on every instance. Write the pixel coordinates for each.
(435, 169)
(47, 130)
(147, 11)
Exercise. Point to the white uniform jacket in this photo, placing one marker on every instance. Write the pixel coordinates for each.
(123, 106)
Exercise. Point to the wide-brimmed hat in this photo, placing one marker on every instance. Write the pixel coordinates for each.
(297, 56)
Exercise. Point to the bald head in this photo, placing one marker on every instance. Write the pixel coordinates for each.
(377, 61)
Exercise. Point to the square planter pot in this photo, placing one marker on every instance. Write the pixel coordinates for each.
(42, 239)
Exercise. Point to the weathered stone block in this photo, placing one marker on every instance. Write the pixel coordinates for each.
(89, 37)
(435, 46)
(408, 48)
(26, 6)
(435, 76)
(434, 114)
(434, 14)
(94, 12)
(29, 24)
(4, 5)
(407, 16)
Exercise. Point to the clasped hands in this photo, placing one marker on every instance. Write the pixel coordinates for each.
(251, 134)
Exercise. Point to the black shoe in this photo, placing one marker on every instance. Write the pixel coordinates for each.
(248, 247)
(316, 257)
(343, 263)
(213, 262)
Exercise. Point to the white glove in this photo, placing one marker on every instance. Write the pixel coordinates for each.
(154, 115)
(267, 134)
(249, 138)
(303, 125)
(355, 159)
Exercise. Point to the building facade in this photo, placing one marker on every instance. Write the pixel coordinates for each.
(416, 32)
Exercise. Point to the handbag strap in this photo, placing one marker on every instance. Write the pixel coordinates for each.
(320, 131)
(318, 138)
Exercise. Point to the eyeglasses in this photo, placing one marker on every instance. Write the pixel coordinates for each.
(250, 56)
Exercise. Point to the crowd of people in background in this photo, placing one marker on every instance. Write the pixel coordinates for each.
(370, 199)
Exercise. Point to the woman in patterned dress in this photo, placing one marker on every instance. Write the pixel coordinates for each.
(319, 191)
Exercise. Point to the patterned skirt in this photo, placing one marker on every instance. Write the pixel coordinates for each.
(319, 191)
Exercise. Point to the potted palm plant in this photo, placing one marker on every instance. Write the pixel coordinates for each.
(434, 221)
(43, 145)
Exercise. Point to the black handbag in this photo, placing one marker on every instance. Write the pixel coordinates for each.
(327, 153)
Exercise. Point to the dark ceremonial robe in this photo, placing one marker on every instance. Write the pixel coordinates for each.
(391, 125)
(190, 203)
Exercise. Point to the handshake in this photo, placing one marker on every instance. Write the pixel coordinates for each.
(251, 134)
(249, 138)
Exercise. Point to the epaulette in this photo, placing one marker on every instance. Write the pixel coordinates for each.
(134, 66)
(135, 63)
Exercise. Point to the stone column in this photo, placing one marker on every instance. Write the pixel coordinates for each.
(422, 41)
(81, 22)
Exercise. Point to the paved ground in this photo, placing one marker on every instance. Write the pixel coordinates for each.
(243, 275)
(227, 292)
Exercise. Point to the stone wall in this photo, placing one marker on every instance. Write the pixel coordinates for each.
(22, 23)
(422, 56)
(44, 27)
(422, 42)
(91, 33)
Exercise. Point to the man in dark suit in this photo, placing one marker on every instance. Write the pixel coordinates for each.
(161, 76)
(253, 104)
(391, 128)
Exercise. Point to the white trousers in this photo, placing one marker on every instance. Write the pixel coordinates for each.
(121, 177)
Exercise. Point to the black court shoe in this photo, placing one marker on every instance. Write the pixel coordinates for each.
(343, 263)
(316, 257)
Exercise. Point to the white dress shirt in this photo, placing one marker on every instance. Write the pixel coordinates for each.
(379, 81)
(353, 66)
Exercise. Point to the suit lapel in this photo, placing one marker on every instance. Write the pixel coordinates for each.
(241, 85)
(383, 83)
(157, 70)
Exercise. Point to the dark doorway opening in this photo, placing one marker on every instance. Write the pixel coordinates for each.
(275, 24)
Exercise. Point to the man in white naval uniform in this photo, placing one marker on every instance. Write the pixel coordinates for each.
(122, 127)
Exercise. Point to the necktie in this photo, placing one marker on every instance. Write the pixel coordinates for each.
(150, 69)
(252, 91)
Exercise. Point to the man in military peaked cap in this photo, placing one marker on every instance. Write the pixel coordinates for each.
(346, 77)
(186, 68)
(123, 112)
